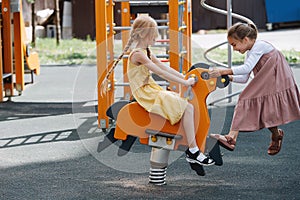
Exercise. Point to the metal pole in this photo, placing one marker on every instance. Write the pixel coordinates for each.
(229, 59)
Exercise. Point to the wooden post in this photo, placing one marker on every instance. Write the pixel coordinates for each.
(57, 22)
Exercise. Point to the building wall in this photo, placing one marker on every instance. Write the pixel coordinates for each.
(205, 19)
(83, 14)
(83, 18)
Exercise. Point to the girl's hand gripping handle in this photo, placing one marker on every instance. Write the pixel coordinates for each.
(191, 81)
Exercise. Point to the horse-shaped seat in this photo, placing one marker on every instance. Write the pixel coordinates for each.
(154, 130)
(132, 121)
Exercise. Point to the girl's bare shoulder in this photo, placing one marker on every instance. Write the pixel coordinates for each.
(138, 56)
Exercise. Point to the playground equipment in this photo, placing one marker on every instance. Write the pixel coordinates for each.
(179, 44)
(15, 56)
(229, 15)
(132, 121)
(152, 129)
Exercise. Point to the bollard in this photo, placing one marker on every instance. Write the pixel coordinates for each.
(159, 162)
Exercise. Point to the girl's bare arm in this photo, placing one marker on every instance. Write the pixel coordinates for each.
(164, 67)
(139, 58)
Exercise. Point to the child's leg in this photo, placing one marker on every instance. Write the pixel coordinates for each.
(193, 154)
(274, 131)
(227, 141)
(189, 126)
(233, 134)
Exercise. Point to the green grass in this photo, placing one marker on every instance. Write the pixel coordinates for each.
(68, 52)
(76, 52)
(292, 56)
(220, 55)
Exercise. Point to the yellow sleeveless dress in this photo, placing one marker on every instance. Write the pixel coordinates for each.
(153, 97)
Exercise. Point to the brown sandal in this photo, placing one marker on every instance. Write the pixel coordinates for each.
(225, 141)
(276, 143)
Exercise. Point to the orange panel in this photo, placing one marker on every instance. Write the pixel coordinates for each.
(102, 63)
(187, 38)
(1, 66)
(110, 21)
(7, 45)
(18, 51)
(33, 62)
(174, 40)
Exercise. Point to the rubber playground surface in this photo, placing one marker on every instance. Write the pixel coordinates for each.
(49, 138)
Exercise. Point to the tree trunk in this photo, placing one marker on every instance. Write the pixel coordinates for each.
(57, 22)
(33, 23)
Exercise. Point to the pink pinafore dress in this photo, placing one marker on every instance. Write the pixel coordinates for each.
(271, 98)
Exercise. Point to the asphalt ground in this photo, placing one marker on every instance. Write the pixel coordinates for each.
(49, 138)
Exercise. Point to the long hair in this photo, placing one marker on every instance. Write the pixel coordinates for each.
(142, 27)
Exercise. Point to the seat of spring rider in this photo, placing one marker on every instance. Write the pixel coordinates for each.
(136, 121)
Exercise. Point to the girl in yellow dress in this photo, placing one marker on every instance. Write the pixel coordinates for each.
(149, 94)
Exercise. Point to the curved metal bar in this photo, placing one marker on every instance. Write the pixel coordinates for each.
(211, 60)
(224, 98)
(224, 12)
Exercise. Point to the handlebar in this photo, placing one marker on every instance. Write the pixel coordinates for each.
(189, 94)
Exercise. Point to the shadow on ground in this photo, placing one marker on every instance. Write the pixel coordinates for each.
(247, 173)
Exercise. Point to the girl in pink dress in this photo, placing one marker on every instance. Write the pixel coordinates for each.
(270, 99)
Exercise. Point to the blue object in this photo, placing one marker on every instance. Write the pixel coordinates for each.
(279, 11)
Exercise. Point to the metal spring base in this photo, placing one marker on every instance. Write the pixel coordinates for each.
(158, 176)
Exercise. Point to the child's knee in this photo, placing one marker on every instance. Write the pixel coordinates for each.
(190, 108)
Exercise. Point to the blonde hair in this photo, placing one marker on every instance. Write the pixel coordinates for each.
(241, 30)
(143, 26)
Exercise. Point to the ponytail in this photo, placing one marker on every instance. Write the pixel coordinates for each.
(104, 84)
(138, 33)
(148, 53)
(241, 30)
